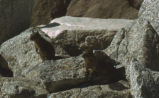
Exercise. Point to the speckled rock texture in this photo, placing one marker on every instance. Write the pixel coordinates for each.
(56, 76)
(134, 44)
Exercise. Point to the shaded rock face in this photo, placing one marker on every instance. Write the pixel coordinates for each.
(136, 3)
(45, 10)
(4, 69)
(14, 17)
(102, 91)
(102, 9)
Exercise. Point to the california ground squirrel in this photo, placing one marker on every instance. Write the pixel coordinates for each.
(43, 47)
(98, 63)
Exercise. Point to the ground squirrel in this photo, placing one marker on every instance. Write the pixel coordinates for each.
(98, 63)
(43, 47)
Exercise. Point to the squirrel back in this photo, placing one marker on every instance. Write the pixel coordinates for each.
(43, 47)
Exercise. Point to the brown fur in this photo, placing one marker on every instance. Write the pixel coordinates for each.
(43, 47)
(98, 63)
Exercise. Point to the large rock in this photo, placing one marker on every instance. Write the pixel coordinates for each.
(14, 17)
(135, 44)
(83, 23)
(59, 74)
(149, 11)
(102, 9)
(21, 88)
(20, 54)
(72, 31)
(140, 42)
(144, 82)
(63, 74)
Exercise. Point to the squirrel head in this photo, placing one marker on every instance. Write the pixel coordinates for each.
(34, 36)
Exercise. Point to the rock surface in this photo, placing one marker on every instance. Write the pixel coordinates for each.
(143, 81)
(150, 13)
(63, 74)
(132, 43)
(44, 11)
(115, 90)
(71, 32)
(14, 17)
(58, 75)
(27, 58)
(21, 88)
(102, 9)
(139, 42)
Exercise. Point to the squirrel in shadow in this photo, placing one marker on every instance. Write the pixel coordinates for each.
(44, 47)
(98, 63)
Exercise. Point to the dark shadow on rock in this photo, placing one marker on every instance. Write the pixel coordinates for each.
(51, 25)
(61, 85)
(60, 57)
(151, 47)
(118, 96)
(46, 10)
(61, 10)
(117, 86)
(135, 3)
(6, 73)
(72, 50)
(4, 69)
